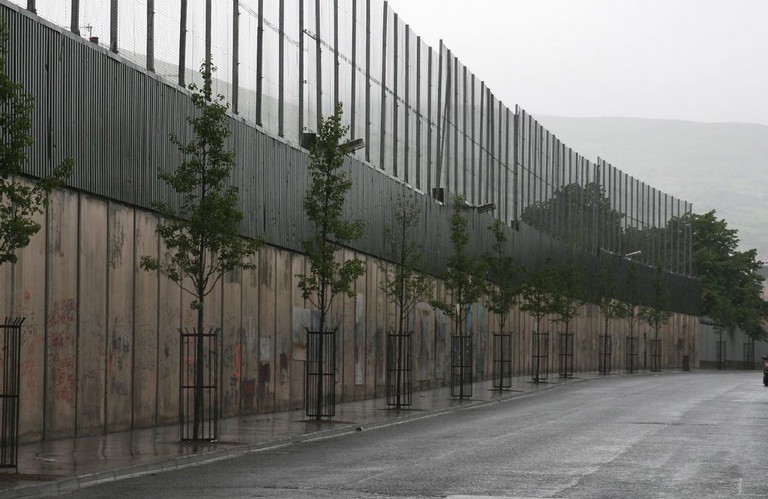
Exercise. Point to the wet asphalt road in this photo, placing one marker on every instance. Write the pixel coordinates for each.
(666, 435)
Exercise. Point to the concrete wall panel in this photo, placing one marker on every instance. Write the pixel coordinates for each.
(346, 335)
(302, 320)
(170, 314)
(283, 330)
(120, 323)
(146, 324)
(61, 316)
(232, 343)
(266, 374)
(371, 291)
(423, 347)
(29, 302)
(92, 320)
(250, 345)
(380, 337)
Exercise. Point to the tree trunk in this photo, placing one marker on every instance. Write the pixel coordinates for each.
(199, 373)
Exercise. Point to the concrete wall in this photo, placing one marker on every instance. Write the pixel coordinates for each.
(100, 344)
(737, 345)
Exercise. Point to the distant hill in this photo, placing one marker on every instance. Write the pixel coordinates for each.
(720, 166)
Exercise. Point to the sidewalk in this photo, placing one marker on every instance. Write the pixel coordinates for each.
(58, 466)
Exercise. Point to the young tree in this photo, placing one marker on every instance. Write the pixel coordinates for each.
(504, 274)
(202, 235)
(610, 307)
(464, 278)
(629, 308)
(19, 201)
(567, 295)
(567, 298)
(403, 283)
(503, 289)
(657, 314)
(731, 285)
(537, 292)
(538, 299)
(323, 204)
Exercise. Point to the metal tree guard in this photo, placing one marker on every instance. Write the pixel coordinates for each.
(633, 354)
(10, 358)
(605, 353)
(502, 361)
(540, 352)
(565, 355)
(749, 354)
(656, 354)
(461, 366)
(721, 350)
(320, 375)
(208, 422)
(400, 369)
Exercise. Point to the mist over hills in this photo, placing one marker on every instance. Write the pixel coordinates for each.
(715, 166)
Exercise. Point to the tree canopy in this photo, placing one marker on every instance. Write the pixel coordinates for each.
(731, 285)
(20, 201)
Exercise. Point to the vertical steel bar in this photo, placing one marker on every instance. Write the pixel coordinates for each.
(455, 117)
(236, 56)
(368, 80)
(395, 92)
(260, 63)
(419, 113)
(382, 110)
(430, 164)
(336, 54)
(183, 43)
(318, 65)
(407, 103)
(301, 81)
(353, 81)
(151, 36)
(439, 120)
(469, 196)
(32, 6)
(481, 148)
(113, 20)
(281, 73)
(473, 140)
(515, 165)
(74, 24)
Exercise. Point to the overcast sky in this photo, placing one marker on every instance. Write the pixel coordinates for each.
(698, 60)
